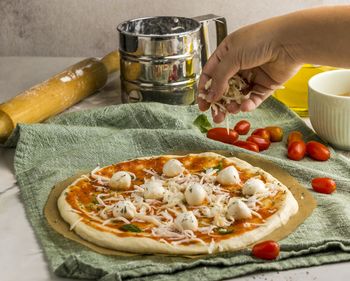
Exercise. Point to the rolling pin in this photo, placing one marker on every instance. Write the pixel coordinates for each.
(57, 93)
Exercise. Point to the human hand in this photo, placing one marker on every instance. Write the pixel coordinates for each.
(256, 54)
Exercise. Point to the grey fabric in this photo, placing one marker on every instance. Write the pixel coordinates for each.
(51, 152)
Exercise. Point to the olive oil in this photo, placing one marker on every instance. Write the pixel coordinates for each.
(294, 95)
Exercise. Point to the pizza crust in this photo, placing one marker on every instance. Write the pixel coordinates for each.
(144, 245)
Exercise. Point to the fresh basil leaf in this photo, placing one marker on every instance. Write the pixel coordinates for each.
(130, 227)
(223, 231)
(94, 201)
(202, 123)
(219, 166)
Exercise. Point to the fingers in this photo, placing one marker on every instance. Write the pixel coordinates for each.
(233, 107)
(255, 99)
(224, 71)
(258, 76)
(203, 79)
(220, 68)
(219, 117)
(203, 104)
(215, 58)
(208, 71)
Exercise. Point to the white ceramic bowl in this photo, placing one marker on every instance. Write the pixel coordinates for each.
(329, 112)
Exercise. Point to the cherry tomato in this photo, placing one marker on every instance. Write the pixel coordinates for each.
(242, 127)
(296, 150)
(294, 136)
(261, 132)
(324, 185)
(267, 250)
(220, 134)
(247, 145)
(262, 143)
(317, 151)
(276, 133)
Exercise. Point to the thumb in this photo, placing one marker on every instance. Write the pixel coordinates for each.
(220, 68)
(225, 69)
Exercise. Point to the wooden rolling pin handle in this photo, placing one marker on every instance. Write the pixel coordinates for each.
(56, 94)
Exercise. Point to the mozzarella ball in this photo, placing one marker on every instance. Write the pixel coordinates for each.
(153, 189)
(215, 211)
(253, 186)
(228, 176)
(173, 168)
(186, 221)
(238, 210)
(124, 209)
(120, 181)
(195, 194)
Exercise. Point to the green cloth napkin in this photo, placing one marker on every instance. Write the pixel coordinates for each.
(51, 152)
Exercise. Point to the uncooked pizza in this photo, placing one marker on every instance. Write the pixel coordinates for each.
(185, 205)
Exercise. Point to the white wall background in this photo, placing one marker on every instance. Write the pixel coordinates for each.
(88, 27)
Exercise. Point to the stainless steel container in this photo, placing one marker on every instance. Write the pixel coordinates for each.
(161, 57)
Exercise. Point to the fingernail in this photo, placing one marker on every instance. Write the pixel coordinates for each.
(244, 109)
(210, 96)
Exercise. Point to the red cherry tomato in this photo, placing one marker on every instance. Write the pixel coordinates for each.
(242, 127)
(276, 133)
(220, 134)
(247, 145)
(317, 151)
(267, 250)
(294, 136)
(296, 150)
(323, 185)
(262, 143)
(261, 132)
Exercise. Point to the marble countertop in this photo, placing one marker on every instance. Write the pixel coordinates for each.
(20, 250)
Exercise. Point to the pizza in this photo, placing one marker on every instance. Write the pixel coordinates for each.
(184, 205)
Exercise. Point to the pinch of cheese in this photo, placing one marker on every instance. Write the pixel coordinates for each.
(253, 186)
(195, 194)
(120, 181)
(173, 168)
(124, 209)
(238, 210)
(186, 221)
(228, 176)
(153, 189)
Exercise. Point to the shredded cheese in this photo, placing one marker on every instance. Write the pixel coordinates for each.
(161, 213)
(211, 246)
(75, 224)
(100, 179)
(237, 91)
